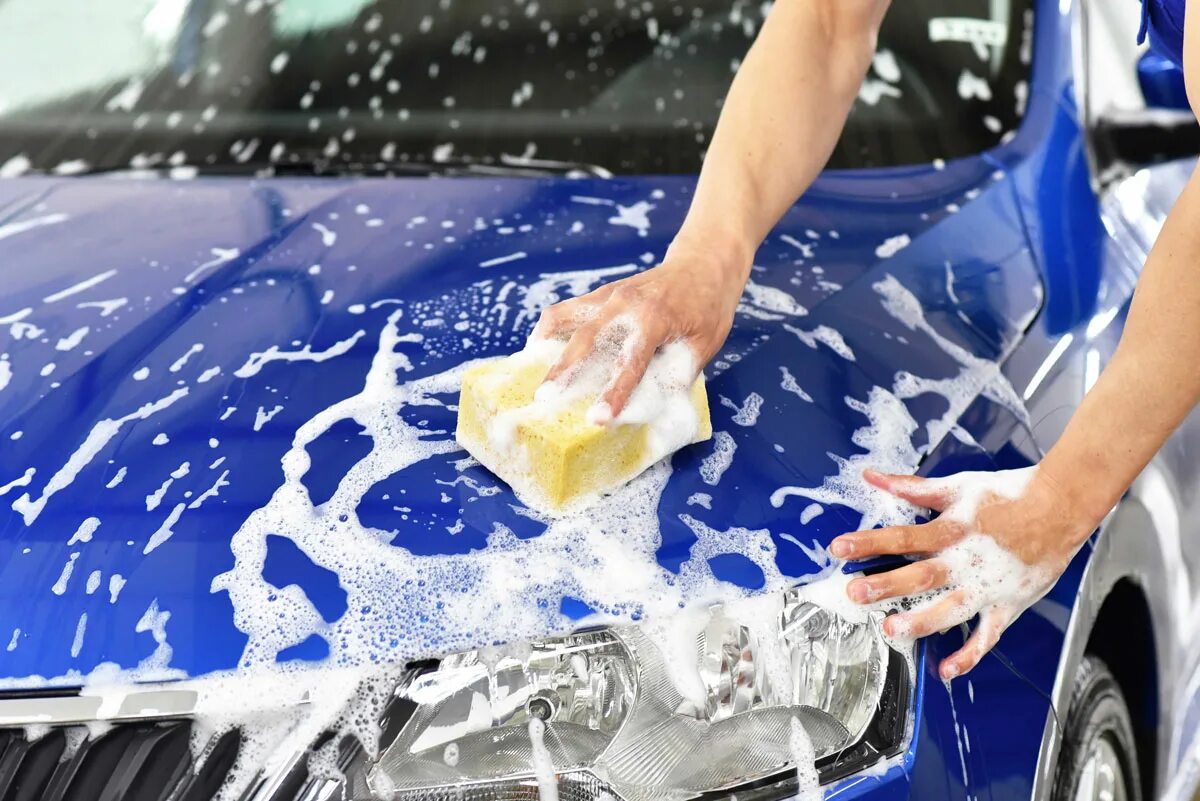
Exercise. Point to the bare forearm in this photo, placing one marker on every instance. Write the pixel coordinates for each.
(781, 119)
(1153, 380)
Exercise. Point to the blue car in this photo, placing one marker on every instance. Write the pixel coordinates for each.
(247, 249)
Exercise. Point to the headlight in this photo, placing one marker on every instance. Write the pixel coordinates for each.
(735, 694)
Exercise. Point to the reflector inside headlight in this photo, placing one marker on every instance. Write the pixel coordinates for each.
(710, 700)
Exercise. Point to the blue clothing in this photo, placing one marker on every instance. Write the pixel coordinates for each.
(1162, 21)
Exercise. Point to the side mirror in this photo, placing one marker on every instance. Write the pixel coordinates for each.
(1162, 82)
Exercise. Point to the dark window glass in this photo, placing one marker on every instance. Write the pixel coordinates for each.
(634, 87)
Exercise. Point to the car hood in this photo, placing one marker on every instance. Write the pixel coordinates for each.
(227, 406)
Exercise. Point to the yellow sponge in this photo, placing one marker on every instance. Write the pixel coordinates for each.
(549, 452)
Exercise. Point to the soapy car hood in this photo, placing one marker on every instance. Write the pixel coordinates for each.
(227, 406)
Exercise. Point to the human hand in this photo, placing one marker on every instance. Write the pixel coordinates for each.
(1001, 541)
(690, 297)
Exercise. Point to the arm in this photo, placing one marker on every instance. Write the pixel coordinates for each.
(781, 120)
(1151, 384)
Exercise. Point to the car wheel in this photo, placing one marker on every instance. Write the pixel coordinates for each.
(1098, 758)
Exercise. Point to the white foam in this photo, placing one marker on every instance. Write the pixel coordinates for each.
(82, 286)
(166, 530)
(100, 435)
(60, 586)
(212, 491)
(179, 363)
(85, 531)
(72, 340)
(155, 498)
(543, 765)
(768, 303)
(116, 582)
(503, 259)
(810, 513)
(208, 375)
(262, 416)
(106, 307)
(871, 91)
(745, 415)
(14, 228)
(80, 630)
(22, 480)
(713, 466)
(972, 86)
(17, 165)
(257, 361)
(892, 245)
(550, 288)
(403, 605)
(824, 335)
(884, 63)
(636, 216)
(220, 256)
(807, 250)
(117, 479)
(5, 373)
(93, 582)
(978, 376)
(808, 780)
(328, 237)
(887, 442)
(789, 383)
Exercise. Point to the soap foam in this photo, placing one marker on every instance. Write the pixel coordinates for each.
(713, 466)
(768, 303)
(887, 446)
(405, 606)
(100, 435)
(887, 439)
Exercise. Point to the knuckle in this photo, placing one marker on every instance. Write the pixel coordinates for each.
(623, 293)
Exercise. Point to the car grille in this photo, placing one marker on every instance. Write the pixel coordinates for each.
(147, 761)
(153, 759)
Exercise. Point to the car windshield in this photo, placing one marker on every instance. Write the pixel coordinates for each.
(631, 86)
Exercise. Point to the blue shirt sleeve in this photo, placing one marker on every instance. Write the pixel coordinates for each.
(1162, 24)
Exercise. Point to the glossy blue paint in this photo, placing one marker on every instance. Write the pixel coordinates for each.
(1028, 264)
(267, 297)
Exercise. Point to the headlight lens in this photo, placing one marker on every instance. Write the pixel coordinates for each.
(711, 701)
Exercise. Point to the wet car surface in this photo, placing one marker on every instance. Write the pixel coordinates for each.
(227, 407)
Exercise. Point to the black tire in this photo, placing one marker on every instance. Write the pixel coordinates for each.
(1097, 719)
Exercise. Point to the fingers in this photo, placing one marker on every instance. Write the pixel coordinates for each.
(897, 540)
(562, 319)
(932, 493)
(947, 612)
(992, 623)
(913, 579)
(631, 368)
(580, 346)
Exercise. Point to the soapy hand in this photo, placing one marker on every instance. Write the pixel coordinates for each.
(690, 297)
(1001, 541)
